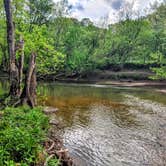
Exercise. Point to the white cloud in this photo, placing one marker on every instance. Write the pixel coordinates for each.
(96, 9)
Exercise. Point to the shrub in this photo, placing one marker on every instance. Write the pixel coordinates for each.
(22, 132)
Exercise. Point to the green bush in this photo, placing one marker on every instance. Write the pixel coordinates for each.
(22, 132)
(53, 162)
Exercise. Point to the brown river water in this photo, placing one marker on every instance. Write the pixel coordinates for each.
(109, 126)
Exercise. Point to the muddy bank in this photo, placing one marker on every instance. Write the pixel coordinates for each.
(54, 145)
(108, 77)
(160, 85)
(101, 75)
(126, 78)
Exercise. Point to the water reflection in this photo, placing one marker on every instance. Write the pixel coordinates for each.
(77, 102)
(110, 126)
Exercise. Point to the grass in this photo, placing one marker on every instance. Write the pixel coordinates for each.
(22, 133)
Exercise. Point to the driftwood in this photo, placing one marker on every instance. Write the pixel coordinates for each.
(64, 157)
(54, 150)
(52, 146)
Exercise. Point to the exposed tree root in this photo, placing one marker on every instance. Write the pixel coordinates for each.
(52, 146)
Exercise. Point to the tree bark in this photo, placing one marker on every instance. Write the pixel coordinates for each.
(11, 49)
(20, 51)
(33, 86)
(28, 95)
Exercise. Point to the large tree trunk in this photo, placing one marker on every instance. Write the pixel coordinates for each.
(11, 50)
(28, 95)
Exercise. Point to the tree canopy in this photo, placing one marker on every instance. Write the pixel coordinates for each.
(66, 45)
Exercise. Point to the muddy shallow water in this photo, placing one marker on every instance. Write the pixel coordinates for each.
(110, 126)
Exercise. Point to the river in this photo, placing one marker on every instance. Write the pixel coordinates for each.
(109, 126)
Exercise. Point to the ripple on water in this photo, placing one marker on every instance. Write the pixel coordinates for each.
(152, 135)
(107, 141)
(111, 127)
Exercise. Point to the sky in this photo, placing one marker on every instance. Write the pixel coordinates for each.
(95, 10)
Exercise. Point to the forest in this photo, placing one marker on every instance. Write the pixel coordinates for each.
(66, 46)
(40, 41)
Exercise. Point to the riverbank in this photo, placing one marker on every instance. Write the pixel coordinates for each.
(121, 111)
(126, 78)
(23, 132)
(54, 145)
(26, 138)
(126, 74)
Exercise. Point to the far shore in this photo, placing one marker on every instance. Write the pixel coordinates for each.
(159, 85)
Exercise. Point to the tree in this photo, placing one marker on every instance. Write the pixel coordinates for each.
(40, 11)
(14, 76)
(16, 67)
(158, 22)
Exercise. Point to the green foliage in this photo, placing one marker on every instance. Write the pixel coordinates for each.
(40, 11)
(48, 59)
(160, 72)
(22, 131)
(53, 162)
(87, 47)
(66, 45)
